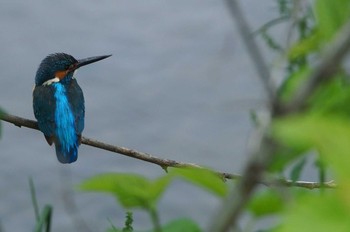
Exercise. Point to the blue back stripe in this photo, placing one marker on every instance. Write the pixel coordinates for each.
(65, 129)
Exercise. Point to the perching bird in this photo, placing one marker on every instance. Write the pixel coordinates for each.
(58, 103)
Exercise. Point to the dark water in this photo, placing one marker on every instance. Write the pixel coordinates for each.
(179, 85)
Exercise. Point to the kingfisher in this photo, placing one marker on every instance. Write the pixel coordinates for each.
(58, 103)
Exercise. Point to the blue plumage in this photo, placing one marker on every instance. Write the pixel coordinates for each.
(67, 145)
(58, 103)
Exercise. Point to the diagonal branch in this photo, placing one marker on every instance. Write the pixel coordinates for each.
(164, 163)
(263, 147)
(254, 52)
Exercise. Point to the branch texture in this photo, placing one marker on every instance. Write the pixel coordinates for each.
(164, 163)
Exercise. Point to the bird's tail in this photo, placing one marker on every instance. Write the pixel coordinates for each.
(66, 154)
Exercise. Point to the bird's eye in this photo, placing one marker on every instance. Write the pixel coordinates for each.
(72, 67)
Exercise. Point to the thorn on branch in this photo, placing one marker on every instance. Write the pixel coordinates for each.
(165, 168)
(163, 163)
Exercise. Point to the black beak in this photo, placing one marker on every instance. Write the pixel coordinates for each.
(90, 60)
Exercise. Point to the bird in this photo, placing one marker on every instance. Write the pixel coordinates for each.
(58, 103)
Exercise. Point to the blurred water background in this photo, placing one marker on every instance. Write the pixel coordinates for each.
(179, 85)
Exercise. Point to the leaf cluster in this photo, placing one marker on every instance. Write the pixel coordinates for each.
(138, 192)
(321, 132)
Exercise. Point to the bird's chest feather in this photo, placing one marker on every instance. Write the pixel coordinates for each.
(64, 118)
(63, 112)
(59, 109)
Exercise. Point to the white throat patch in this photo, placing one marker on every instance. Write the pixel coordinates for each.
(75, 72)
(49, 82)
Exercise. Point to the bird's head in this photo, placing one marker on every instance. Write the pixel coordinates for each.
(60, 67)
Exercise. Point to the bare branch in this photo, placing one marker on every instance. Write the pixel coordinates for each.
(253, 50)
(259, 157)
(307, 184)
(164, 163)
(263, 148)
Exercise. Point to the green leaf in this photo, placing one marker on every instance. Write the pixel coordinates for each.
(113, 228)
(158, 186)
(292, 83)
(128, 222)
(285, 155)
(331, 16)
(332, 98)
(271, 43)
(131, 190)
(127, 227)
(314, 212)
(305, 46)
(183, 225)
(204, 178)
(44, 219)
(329, 136)
(297, 169)
(265, 203)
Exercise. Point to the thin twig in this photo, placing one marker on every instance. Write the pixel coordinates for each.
(307, 184)
(164, 163)
(262, 148)
(270, 24)
(254, 51)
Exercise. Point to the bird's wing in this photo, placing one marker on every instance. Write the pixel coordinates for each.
(76, 99)
(44, 110)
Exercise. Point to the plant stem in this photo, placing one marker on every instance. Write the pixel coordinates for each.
(34, 201)
(155, 219)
